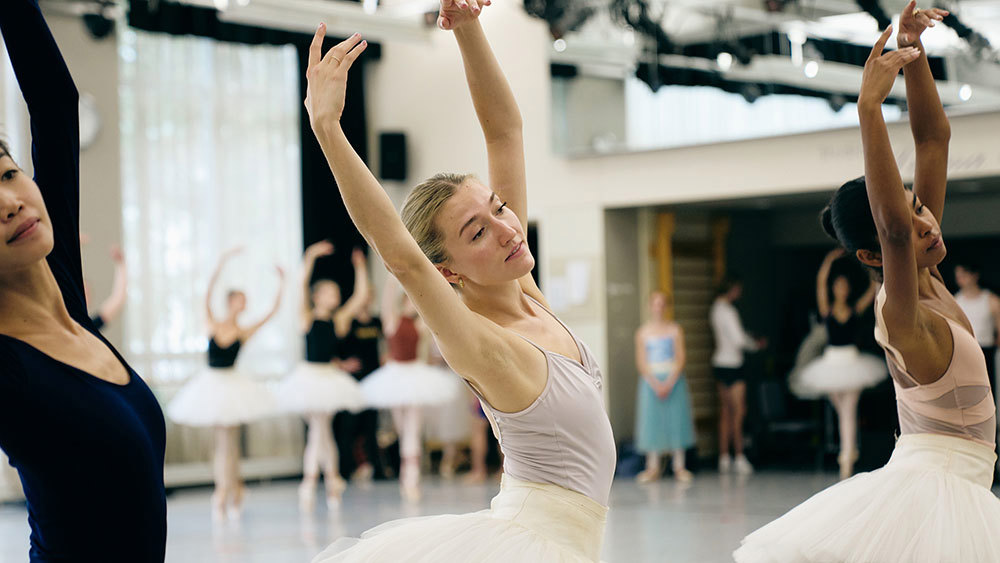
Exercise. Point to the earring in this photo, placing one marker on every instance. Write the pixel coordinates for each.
(461, 283)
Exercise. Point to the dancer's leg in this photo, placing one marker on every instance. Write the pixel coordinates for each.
(237, 488)
(407, 420)
(846, 405)
(679, 464)
(478, 447)
(220, 472)
(310, 467)
(725, 426)
(327, 454)
(653, 469)
(738, 402)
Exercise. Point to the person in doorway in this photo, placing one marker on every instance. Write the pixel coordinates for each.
(731, 343)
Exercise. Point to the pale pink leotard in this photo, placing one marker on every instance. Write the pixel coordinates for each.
(960, 402)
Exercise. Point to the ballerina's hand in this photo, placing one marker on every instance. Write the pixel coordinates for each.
(327, 76)
(456, 13)
(913, 22)
(317, 249)
(881, 70)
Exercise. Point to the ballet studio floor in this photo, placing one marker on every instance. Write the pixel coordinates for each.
(659, 522)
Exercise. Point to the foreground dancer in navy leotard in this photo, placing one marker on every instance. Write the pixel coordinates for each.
(83, 431)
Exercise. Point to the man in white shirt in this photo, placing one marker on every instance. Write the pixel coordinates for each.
(982, 307)
(731, 341)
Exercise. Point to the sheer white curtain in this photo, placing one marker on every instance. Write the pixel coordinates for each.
(210, 160)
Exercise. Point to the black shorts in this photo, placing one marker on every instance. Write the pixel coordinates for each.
(729, 376)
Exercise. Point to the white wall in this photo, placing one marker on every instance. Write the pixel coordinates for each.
(420, 89)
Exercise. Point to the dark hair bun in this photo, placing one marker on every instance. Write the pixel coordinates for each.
(826, 218)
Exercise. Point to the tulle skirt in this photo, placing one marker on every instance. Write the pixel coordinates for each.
(664, 425)
(450, 421)
(526, 523)
(319, 388)
(930, 504)
(221, 397)
(840, 368)
(399, 384)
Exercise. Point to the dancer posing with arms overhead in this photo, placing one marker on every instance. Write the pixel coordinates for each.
(84, 432)
(319, 387)
(460, 254)
(221, 397)
(842, 372)
(932, 501)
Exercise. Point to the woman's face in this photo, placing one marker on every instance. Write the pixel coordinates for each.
(326, 295)
(657, 304)
(484, 240)
(237, 302)
(928, 244)
(25, 227)
(841, 289)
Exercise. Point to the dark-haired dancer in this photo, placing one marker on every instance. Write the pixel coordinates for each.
(222, 398)
(461, 254)
(84, 432)
(320, 386)
(731, 343)
(842, 372)
(932, 501)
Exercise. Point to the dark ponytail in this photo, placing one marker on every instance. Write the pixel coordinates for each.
(848, 218)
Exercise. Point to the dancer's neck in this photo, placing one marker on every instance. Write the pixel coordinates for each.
(30, 300)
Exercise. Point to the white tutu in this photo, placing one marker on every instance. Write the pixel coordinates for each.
(319, 388)
(452, 421)
(409, 383)
(930, 504)
(526, 523)
(840, 368)
(221, 397)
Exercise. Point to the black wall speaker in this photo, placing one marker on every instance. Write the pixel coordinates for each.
(392, 151)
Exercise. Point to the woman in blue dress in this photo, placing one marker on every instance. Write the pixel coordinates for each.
(663, 415)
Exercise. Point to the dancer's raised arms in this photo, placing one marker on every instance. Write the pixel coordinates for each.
(497, 110)
(475, 347)
(907, 230)
(928, 122)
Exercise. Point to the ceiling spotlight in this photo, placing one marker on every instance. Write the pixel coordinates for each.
(811, 69)
(369, 6)
(559, 45)
(221, 5)
(965, 93)
(725, 61)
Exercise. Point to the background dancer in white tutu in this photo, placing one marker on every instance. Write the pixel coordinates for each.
(539, 383)
(448, 423)
(319, 387)
(842, 372)
(221, 397)
(932, 501)
(405, 385)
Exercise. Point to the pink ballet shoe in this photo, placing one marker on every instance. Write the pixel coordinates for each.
(649, 475)
(334, 493)
(307, 497)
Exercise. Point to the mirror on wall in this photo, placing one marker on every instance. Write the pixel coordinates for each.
(634, 75)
